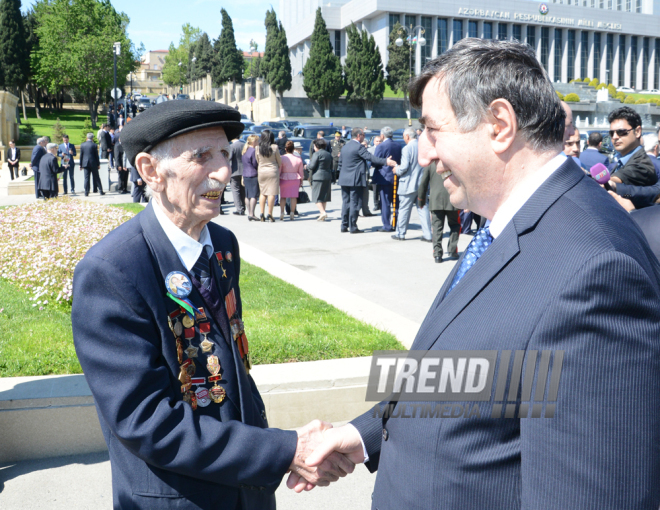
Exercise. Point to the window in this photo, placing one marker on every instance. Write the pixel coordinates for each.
(502, 31)
(545, 47)
(609, 42)
(425, 51)
(645, 63)
(458, 30)
(472, 29)
(622, 60)
(633, 61)
(628, 6)
(558, 53)
(338, 43)
(394, 19)
(584, 54)
(531, 37)
(517, 32)
(597, 54)
(488, 29)
(609, 4)
(443, 36)
(619, 5)
(571, 55)
(638, 6)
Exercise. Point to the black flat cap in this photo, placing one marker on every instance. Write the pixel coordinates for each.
(172, 118)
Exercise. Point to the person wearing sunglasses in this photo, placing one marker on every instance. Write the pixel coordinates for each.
(631, 165)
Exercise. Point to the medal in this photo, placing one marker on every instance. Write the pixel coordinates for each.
(218, 394)
(228, 256)
(189, 367)
(218, 255)
(200, 315)
(203, 397)
(198, 380)
(205, 329)
(184, 378)
(178, 328)
(185, 387)
(191, 398)
(230, 303)
(191, 351)
(188, 322)
(213, 365)
(206, 345)
(178, 284)
(189, 333)
(169, 323)
(179, 350)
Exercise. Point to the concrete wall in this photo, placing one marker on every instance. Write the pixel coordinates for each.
(8, 122)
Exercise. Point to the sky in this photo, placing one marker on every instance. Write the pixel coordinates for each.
(156, 24)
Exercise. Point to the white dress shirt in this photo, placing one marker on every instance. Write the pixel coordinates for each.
(185, 246)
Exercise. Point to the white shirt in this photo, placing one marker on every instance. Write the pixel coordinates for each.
(185, 246)
(521, 193)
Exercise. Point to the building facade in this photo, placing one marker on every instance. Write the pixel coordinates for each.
(149, 78)
(616, 41)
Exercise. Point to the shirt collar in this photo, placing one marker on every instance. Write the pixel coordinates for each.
(521, 193)
(624, 159)
(185, 246)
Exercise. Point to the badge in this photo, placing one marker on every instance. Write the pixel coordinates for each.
(203, 397)
(215, 378)
(206, 345)
(191, 351)
(213, 365)
(185, 387)
(191, 398)
(184, 378)
(189, 367)
(188, 322)
(169, 323)
(198, 380)
(178, 284)
(179, 350)
(178, 328)
(201, 316)
(218, 255)
(218, 394)
(228, 256)
(230, 303)
(190, 333)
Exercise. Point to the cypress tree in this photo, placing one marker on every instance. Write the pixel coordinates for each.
(322, 73)
(216, 64)
(398, 64)
(271, 41)
(279, 73)
(364, 69)
(14, 58)
(232, 61)
(204, 53)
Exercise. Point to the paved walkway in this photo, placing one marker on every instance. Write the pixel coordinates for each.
(369, 274)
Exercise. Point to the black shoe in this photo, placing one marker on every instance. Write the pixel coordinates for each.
(243, 213)
(262, 218)
(344, 230)
(221, 211)
(424, 239)
(271, 219)
(296, 212)
(86, 194)
(65, 193)
(438, 260)
(102, 193)
(397, 238)
(252, 218)
(357, 231)
(236, 213)
(366, 215)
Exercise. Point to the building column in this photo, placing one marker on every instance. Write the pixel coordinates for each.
(616, 58)
(434, 29)
(590, 56)
(450, 29)
(564, 55)
(638, 72)
(577, 66)
(651, 63)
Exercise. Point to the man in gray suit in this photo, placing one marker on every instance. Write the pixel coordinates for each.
(353, 178)
(237, 188)
(409, 173)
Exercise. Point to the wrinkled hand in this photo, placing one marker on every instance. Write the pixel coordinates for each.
(326, 470)
(391, 162)
(623, 202)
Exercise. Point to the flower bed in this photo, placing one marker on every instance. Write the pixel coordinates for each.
(41, 243)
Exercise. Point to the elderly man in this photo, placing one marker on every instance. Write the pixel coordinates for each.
(409, 173)
(164, 350)
(652, 149)
(38, 152)
(384, 177)
(559, 274)
(48, 170)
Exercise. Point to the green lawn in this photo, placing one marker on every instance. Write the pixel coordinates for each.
(72, 120)
(130, 207)
(645, 96)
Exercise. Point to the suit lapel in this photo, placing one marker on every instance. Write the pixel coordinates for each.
(496, 257)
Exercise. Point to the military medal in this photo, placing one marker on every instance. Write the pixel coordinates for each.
(203, 396)
(189, 367)
(230, 303)
(178, 284)
(179, 350)
(218, 393)
(213, 366)
(189, 333)
(191, 398)
(188, 322)
(200, 315)
(218, 255)
(191, 351)
(178, 328)
(205, 329)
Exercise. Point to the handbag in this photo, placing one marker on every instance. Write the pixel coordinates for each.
(303, 197)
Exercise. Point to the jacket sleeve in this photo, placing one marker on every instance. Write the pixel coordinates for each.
(422, 191)
(641, 196)
(118, 341)
(313, 164)
(367, 156)
(406, 164)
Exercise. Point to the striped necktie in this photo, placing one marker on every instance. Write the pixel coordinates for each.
(202, 270)
(475, 249)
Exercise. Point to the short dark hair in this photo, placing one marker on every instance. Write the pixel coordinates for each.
(356, 132)
(320, 143)
(288, 147)
(476, 72)
(626, 113)
(65, 136)
(595, 138)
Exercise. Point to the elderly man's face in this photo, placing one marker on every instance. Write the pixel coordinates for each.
(460, 157)
(572, 145)
(197, 176)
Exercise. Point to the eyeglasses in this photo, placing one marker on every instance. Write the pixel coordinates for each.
(620, 132)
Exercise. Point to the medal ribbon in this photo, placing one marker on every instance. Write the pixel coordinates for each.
(187, 305)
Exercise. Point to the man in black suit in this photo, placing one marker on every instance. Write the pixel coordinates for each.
(281, 143)
(38, 152)
(69, 150)
(139, 186)
(13, 157)
(121, 166)
(352, 168)
(48, 170)
(632, 165)
(89, 162)
(105, 143)
(591, 155)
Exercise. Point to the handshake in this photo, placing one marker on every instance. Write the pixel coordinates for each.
(323, 455)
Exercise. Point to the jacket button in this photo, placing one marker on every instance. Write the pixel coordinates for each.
(386, 435)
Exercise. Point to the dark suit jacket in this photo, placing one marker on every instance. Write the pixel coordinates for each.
(37, 153)
(638, 171)
(648, 220)
(353, 165)
(61, 150)
(382, 173)
(89, 155)
(640, 196)
(281, 142)
(320, 166)
(48, 170)
(18, 156)
(656, 164)
(439, 196)
(105, 143)
(590, 157)
(163, 454)
(236, 158)
(119, 155)
(570, 272)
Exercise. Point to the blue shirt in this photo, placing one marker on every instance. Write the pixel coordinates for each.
(626, 158)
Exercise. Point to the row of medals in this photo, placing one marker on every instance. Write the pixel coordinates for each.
(187, 369)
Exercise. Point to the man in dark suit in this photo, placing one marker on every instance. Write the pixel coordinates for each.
(237, 188)
(89, 162)
(69, 150)
(648, 220)
(632, 165)
(105, 144)
(591, 155)
(384, 177)
(352, 168)
(164, 350)
(48, 170)
(122, 171)
(13, 159)
(38, 152)
(560, 273)
(138, 186)
(281, 142)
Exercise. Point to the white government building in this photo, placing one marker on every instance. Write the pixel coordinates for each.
(616, 41)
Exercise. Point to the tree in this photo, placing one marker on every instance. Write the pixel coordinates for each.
(13, 56)
(229, 60)
(271, 35)
(75, 48)
(174, 74)
(279, 72)
(363, 69)
(398, 63)
(58, 131)
(323, 80)
(204, 54)
(32, 45)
